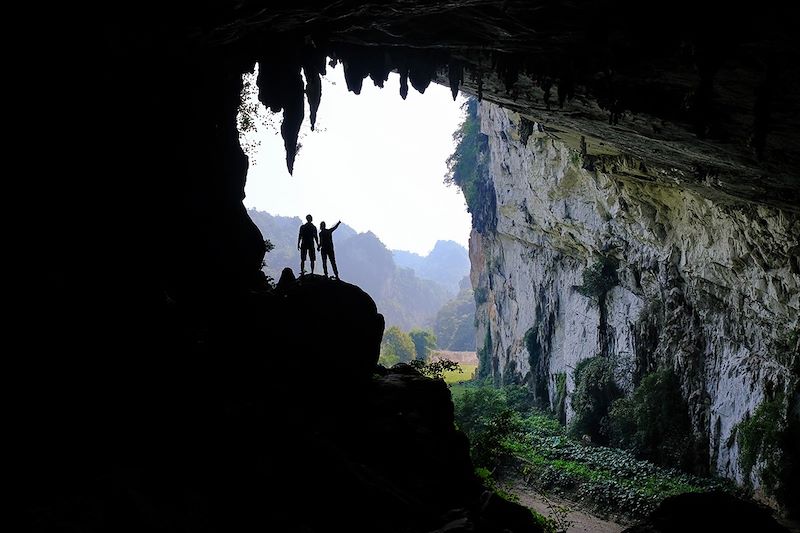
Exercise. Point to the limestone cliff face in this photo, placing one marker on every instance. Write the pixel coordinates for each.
(708, 287)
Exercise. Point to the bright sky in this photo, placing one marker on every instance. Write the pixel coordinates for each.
(376, 162)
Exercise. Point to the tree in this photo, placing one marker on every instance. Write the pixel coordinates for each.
(397, 344)
(468, 164)
(424, 341)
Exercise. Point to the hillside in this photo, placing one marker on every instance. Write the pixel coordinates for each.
(447, 264)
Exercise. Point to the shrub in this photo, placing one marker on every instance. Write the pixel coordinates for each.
(560, 403)
(519, 399)
(485, 357)
(654, 422)
(609, 479)
(599, 278)
(595, 390)
(484, 415)
(436, 369)
(481, 295)
(769, 440)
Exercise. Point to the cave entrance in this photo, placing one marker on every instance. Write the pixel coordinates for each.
(374, 160)
(377, 163)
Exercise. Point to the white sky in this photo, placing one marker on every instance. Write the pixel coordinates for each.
(376, 162)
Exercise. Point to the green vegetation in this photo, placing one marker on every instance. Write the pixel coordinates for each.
(504, 430)
(481, 295)
(599, 278)
(768, 441)
(396, 347)
(533, 348)
(758, 436)
(560, 404)
(424, 341)
(489, 416)
(595, 390)
(485, 357)
(468, 164)
(786, 350)
(252, 117)
(268, 247)
(435, 369)
(654, 422)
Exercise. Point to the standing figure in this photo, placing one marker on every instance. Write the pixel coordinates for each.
(306, 241)
(326, 247)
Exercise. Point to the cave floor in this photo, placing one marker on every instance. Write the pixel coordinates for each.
(576, 518)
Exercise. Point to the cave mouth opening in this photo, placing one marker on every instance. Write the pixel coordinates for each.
(373, 160)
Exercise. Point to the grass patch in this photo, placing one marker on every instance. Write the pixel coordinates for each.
(452, 377)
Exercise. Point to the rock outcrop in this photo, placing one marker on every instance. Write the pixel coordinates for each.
(278, 419)
(708, 287)
(716, 511)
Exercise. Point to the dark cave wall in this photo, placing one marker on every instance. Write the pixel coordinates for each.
(149, 250)
(145, 253)
(146, 179)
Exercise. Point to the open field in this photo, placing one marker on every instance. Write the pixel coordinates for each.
(453, 377)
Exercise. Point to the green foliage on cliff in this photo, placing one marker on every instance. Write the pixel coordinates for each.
(599, 278)
(595, 390)
(530, 340)
(481, 295)
(468, 164)
(560, 401)
(768, 441)
(654, 422)
(485, 357)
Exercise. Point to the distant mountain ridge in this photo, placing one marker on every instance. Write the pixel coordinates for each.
(407, 296)
(447, 264)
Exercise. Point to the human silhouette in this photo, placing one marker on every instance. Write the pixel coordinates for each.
(286, 280)
(306, 241)
(326, 247)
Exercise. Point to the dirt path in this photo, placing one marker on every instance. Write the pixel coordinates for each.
(579, 520)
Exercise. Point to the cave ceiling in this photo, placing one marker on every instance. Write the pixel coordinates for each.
(703, 95)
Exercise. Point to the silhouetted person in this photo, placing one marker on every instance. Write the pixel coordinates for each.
(326, 247)
(286, 280)
(306, 242)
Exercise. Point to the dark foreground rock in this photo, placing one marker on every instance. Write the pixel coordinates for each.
(712, 511)
(265, 413)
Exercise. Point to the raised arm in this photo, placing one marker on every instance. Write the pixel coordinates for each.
(336, 225)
